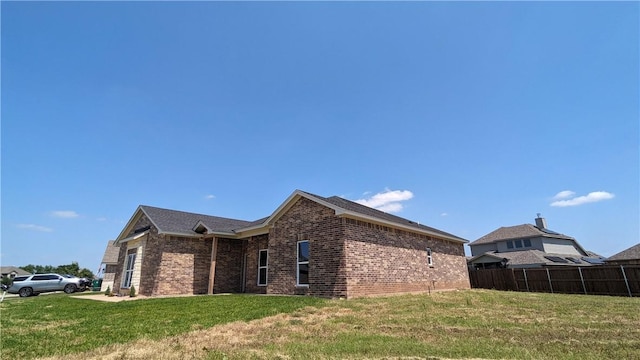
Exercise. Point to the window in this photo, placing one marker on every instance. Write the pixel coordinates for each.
(303, 263)
(20, 278)
(128, 271)
(518, 243)
(527, 242)
(429, 257)
(263, 257)
(509, 244)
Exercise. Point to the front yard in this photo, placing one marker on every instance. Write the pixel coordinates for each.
(461, 324)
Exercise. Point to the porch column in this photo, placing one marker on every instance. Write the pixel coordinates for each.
(212, 269)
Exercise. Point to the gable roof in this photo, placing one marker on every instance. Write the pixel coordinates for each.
(185, 224)
(111, 253)
(9, 269)
(631, 253)
(518, 232)
(347, 208)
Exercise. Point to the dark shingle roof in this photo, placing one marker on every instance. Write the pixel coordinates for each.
(517, 232)
(111, 253)
(180, 222)
(371, 212)
(631, 253)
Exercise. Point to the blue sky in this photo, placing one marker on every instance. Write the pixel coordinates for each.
(462, 116)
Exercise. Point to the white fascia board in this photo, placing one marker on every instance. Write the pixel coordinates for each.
(131, 222)
(199, 236)
(253, 231)
(128, 225)
(133, 237)
(350, 214)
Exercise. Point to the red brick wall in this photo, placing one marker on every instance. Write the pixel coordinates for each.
(228, 276)
(395, 261)
(181, 266)
(253, 245)
(307, 220)
(353, 258)
(348, 258)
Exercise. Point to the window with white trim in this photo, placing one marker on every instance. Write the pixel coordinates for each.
(302, 278)
(429, 257)
(128, 270)
(263, 261)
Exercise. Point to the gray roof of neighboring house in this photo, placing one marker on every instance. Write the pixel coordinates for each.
(631, 253)
(535, 257)
(9, 269)
(111, 253)
(518, 232)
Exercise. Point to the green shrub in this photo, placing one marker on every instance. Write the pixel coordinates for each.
(132, 291)
(108, 291)
(6, 280)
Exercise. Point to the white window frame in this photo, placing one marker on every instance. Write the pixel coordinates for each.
(429, 257)
(130, 265)
(265, 267)
(298, 263)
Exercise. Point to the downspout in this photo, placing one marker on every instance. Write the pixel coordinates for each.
(212, 268)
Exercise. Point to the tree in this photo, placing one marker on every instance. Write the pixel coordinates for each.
(71, 269)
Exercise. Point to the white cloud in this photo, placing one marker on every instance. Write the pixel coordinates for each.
(209, 197)
(34, 227)
(387, 201)
(444, 214)
(564, 194)
(65, 214)
(584, 199)
(101, 219)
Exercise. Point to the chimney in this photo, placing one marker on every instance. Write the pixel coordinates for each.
(541, 222)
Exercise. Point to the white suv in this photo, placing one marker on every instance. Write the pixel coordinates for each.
(38, 283)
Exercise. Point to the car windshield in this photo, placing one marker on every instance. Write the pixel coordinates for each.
(68, 276)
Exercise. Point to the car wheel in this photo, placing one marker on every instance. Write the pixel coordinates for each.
(70, 288)
(25, 292)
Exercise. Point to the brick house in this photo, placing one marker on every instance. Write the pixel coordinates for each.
(310, 245)
(109, 265)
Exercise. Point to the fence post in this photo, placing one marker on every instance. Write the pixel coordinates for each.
(582, 279)
(549, 277)
(526, 282)
(624, 275)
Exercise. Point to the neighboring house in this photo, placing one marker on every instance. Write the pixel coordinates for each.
(630, 256)
(527, 246)
(109, 265)
(310, 245)
(12, 271)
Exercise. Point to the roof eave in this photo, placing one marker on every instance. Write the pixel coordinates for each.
(132, 237)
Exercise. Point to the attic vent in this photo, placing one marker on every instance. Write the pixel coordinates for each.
(142, 229)
(200, 229)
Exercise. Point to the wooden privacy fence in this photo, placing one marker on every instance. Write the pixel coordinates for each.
(623, 280)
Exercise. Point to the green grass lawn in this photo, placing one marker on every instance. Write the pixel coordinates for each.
(461, 324)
